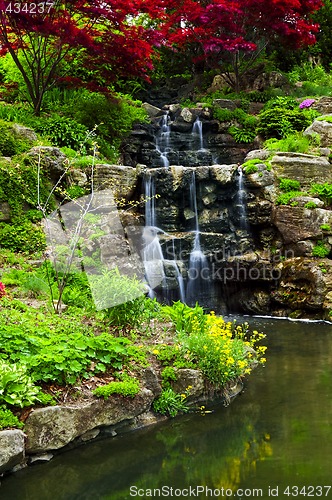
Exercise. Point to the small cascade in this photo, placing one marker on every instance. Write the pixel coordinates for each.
(162, 140)
(241, 202)
(157, 268)
(198, 272)
(153, 258)
(197, 131)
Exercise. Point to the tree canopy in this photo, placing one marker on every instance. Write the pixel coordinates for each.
(114, 38)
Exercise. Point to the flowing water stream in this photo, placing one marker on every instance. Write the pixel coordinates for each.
(275, 437)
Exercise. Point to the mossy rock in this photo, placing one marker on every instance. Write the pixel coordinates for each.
(15, 139)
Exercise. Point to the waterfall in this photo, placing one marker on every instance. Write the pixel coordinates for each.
(154, 261)
(153, 258)
(162, 140)
(198, 269)
(198, 131)
(241, 201)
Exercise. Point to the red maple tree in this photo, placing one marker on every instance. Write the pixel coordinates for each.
(222, 30)
(111, 37)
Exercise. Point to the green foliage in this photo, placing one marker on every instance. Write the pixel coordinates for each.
(73, 192)
(242, 134)
(11, 143)
(325, 227)
(63, 132)
(315, 80)
(170, 403)
(19, 188)
(16, 386)
(9, 420)
(183, 316)
(22, 236)
(113, 116)
(310, 205)
(59, 348)
(278, 102)
(223, 114)
(168, 374)
(126, 293)
(285, 198)
(320, 250)
(288, 185)
(126, 388)
(323, 191)
(325, 118)
(280, 121)
(297, 143)
(250, 166)
(18, 113)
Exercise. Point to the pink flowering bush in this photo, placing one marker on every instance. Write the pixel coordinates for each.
(306, 103)
(2, 290)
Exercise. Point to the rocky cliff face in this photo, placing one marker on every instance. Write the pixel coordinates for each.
(173, 135)
(212, 219)
(258, 253)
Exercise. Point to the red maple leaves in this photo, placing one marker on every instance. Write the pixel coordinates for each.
(118, 37)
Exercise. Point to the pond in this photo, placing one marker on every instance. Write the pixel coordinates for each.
(274, 440)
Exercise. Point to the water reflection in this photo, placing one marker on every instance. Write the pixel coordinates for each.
(277, 433)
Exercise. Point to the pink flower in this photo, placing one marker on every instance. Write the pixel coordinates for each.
(306, 103)
(2, 290)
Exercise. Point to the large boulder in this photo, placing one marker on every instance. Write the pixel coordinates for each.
(298, 223)
(53, 427)
(323, 128)
(120, 179)
(52, 161)
(306, 169)
(12, 449)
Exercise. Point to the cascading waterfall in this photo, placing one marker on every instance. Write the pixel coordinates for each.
(241, 202)
(153, 257)
(162, 140)
(198, 131)
(198, 272)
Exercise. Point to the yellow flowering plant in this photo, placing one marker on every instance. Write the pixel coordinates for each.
(223, 350)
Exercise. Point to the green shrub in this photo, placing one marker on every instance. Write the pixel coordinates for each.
(9, 420)
(184, 317)
(16, 386)
(242, 134)
(60, 349)
(310, 205)
(285, 198)
(279, 122)
(325, 227)
(170, 403)
(64, 132)
(22, 236)
(168, 374)
(127, 388)
(320, 250)
(222, 114)
(250, 166)
(120, 296)
(323, 191)
(297, 143)
(288, 185)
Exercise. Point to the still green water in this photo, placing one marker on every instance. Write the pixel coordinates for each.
(274, 437)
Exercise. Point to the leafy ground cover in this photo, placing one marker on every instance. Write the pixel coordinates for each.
(48, 358)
